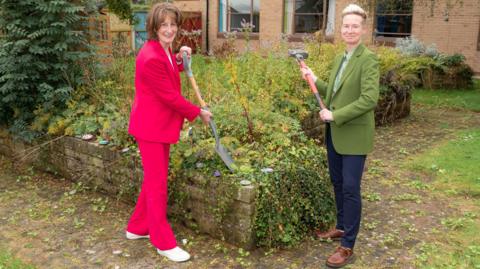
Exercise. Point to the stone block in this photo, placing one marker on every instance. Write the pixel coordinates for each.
(246, 194)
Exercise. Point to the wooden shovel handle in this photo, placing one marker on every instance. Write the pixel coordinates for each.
(197, 91)
(187, 65)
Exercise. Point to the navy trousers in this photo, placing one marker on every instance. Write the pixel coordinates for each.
(346, 174)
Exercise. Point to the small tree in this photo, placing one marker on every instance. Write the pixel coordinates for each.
(42, 45)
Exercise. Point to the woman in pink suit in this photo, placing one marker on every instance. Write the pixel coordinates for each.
(158, 112)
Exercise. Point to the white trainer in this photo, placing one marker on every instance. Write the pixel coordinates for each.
(175, 254)
(133, 236)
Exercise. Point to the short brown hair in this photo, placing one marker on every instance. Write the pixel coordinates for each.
(157, 15)
(354, 9)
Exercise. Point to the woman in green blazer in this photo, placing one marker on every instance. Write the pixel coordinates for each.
(351, 95)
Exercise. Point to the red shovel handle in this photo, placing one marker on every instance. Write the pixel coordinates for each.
(313, 87)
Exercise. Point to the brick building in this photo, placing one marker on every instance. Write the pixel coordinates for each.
(454, 26)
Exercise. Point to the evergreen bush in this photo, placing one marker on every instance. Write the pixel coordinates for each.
(42, 45)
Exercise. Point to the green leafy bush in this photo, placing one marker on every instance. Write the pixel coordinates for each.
(44, 55)
(39, 58)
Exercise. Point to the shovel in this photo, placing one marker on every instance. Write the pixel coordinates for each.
(219, 148)
(300, 56)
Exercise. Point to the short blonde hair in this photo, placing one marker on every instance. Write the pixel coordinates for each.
(354, 9)
(157, 15)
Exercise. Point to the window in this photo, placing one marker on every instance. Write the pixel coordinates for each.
(102, 33)
(97, 28)
(478, 39)
(233, 12)
(393, 18)
(305, 16)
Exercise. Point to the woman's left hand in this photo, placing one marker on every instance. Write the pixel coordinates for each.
(186, 49)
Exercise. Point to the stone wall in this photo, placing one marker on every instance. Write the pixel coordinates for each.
(119, 174)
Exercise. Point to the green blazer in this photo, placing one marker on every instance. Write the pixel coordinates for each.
(354, 102)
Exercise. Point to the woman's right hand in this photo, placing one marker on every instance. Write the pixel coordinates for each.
(306, 71)
(205, 115)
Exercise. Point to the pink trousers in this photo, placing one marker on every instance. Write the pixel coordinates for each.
(150, 215)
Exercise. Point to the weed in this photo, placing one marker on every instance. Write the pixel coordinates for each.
(392, 239)
(22, 178)
(409, 227)
(78, 223)
(419, 185)
(99, 204)
(407, 197)
(77, 187)
(32, 234)
(372, 197)
(221, 248)
(371, 225)
(403, 151)
(70, 210)
(454, 223)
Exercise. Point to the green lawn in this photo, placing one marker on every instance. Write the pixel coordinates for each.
(460, 99)
(455, 164)
(7, 261)
(455, 169)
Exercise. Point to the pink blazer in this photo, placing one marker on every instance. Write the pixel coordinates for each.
(159, 108)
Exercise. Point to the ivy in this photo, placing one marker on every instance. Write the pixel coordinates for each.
(121, 8)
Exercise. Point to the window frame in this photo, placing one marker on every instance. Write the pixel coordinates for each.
(298, 36)
(478, 38)
(391, 36)
(228, 13)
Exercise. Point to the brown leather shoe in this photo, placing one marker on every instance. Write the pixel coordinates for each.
(340, 258)
(333, 234)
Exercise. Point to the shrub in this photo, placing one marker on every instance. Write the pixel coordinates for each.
(435, 69)
(39, 58)
(44, 53)
(410, 46)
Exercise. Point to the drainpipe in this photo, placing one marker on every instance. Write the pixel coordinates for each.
(206, 27)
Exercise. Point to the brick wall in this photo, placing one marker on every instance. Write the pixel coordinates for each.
(458, 34)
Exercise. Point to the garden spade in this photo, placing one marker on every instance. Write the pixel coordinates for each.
(219, 148)
(300, 56)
